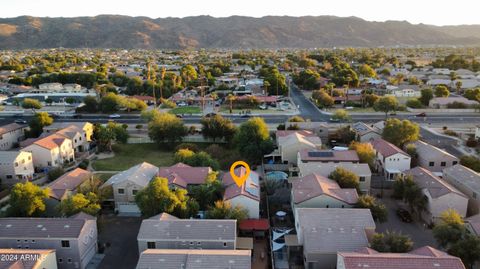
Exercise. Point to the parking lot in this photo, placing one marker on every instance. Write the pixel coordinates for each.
(120, 236)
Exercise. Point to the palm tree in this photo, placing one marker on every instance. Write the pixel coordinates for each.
(458, 84)
(231, 98)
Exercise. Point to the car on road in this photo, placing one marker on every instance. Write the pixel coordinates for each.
(18, 115)
(423, 114)
(334, 120)
(404, 215)
(179, 116)
(20, 121)
(245, 116)
(182, 104)
(77, 116)
(114, 116)
(210, 115)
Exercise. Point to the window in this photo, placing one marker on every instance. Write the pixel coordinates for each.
(65, 244)
(134, 192)
(16, 164)
(9, 176)
(121, 191)
(443, 164)
(191, 243)
(454, 162)
(362, 179)
(224, 244)
(49, 163)
(474, 195)
(431, 164)
(69, 260)
(60, 260)
(151, 245)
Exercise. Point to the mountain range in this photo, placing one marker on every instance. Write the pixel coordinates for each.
(235, 32)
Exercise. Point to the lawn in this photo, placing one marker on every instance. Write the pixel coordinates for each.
(186, 110)
(128, 155)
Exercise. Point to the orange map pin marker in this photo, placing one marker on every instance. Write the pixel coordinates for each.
(239, 180)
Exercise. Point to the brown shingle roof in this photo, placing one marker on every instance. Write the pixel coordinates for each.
(334, 155)
(10, 127)
(433, 184)
(68, 182)
(182, 175)
(314, 185)
(386, 148)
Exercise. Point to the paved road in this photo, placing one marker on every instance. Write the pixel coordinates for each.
(307, 109)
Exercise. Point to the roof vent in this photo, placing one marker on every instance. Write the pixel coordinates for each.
(8, 225)
(44, 229)
(39, 226)
(436, 264)
(66, 226)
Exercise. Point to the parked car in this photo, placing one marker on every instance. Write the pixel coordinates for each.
(404, 215)
(179, 116)
(423, 114)
(114, 116)
(210, 115)
(182, 104)
(20, 121)
(245, 116)
(334, 120)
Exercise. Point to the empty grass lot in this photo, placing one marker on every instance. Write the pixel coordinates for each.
(186, 110)
(128, 155)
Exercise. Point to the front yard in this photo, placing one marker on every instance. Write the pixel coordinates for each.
(186, 110)
(128, 155)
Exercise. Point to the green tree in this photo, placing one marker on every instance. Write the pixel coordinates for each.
(414, 103)
(206, 194)
(367, 71)
(37, 123)
(391, 242)
(87, 203)
(296, 119)
(91, 104)
(29, 103)
(253, 139)
(157, 198)
(27, 200)
(426, 96)
(471, 162)
(224, 210)
(442, 91)
(386, 104)
(371, 99)
(322, 98)
(341, 114)
(379, 211)
(467, 249)
(189, 73)
(55, 173)
(167, 128)
(218, 127)
(345, 178)
(472, 94)
(365, 152)
(400, 132)
(406, 189)
(109, 103)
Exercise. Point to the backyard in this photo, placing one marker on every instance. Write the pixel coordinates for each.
(128, 155)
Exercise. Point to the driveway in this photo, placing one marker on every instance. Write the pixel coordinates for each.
(120, 233)
(420, 236)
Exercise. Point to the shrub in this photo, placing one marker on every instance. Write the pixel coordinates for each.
(167, 103)
(138, 126)
(84, 164)
(189, 146)
(414, 103)
(450, 133)
(55, 173)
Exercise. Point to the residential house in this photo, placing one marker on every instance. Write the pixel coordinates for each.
(66, 185)
(289, 143)
(321, 129)
(194, 259)
(364, 132)
(325, 231)
(327, 156)
(181, 175)
(126, 184)
(389, 159)
(362, 170)
(433, 158)
(316, 191)
(247, 195)
(28, 258)
(50, 151)
(165, 231)
(468, 182)
(443, 102)
(11, 134)
(439, 195)
(473, 224)
(421, 258)
(81, 142)
(15, 167)
(74, 239)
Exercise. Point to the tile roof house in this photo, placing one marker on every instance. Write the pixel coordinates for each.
(168, 232)
(28, 259)
(15, 167)
(442, 102)
(74, 239)
(247, 196)
(325, 156)
(468, 182)
(289, 143)
(127, 183)
(364, 132)
(389, 159)
(362, 170)
(421, 258)
(440, 195)
(68, 183)
(194, 259)
(473, 224)
(321, 129)
(11, 134)
(316, 191)
(325, 231)
(181, 175)
(50, 151)
(433, 158)
(86, 127)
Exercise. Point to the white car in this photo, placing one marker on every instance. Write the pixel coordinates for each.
(181, 104)
(114, 116)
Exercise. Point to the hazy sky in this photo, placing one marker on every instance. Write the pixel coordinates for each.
(438, 12)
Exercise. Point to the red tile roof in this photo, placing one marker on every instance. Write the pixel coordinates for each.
(254, 224)
(386, 148)
(422, 258)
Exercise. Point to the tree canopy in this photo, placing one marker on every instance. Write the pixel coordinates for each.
(400, 132)
(27, 200)
(345, 178)
(166, 128)
(253, 139)
(218, 127)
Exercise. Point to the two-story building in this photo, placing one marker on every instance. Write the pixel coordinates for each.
(389, 159)
(74, 239)
(81, 133)
(15, 167)
(165, 231)
(247, 195)
(433, 158)
(289, 143)
(11, 134)
(468, 182)
(51, 151)
(181, 175)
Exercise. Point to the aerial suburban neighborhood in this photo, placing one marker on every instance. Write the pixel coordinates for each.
(242, 155)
